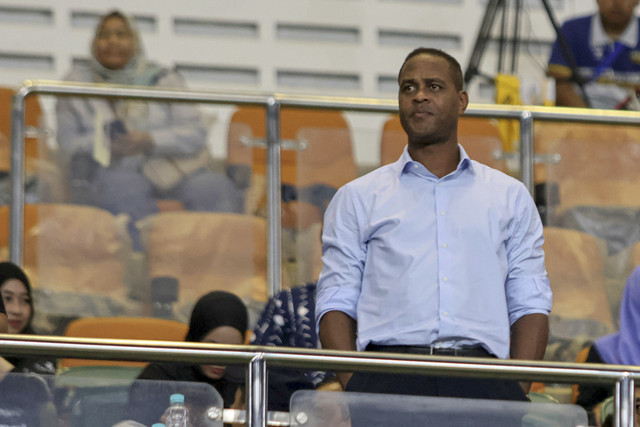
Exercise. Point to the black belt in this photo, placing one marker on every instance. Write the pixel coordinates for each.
(475, 351)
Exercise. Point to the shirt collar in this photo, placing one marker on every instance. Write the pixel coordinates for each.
(405, 162)
(599, 38)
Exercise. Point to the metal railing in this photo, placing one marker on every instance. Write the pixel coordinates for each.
(260, 359)
(272, 103)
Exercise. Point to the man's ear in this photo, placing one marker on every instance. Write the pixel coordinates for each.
(463, 98)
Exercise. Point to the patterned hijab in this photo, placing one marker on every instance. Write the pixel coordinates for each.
(623, 347)
(138, 71)
(8, 271)
(215, 309)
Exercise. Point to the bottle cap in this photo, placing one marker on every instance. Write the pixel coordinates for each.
(158, 425)
(176, 398)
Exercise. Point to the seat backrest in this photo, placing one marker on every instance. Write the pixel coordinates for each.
(576, 272)
(480, 138)
(208, 251)
(135, 328)
(586, 151)
(33, 117)
(322, 150)
(74, 248)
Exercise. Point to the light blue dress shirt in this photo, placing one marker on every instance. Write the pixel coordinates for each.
(419, 260)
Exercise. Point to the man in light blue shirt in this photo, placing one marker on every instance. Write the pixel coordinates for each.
(435, 253)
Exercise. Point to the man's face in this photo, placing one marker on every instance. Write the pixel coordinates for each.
(428, 101)
(616, 13)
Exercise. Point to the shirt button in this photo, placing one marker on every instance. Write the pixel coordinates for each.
(441, 212)
(446, 313)
(444, 245)
(445, 278)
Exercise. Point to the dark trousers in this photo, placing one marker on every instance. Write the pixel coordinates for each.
(440, 386)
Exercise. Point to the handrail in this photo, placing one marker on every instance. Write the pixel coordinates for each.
(259, 359)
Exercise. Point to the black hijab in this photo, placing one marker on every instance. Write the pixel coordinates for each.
(215, 309)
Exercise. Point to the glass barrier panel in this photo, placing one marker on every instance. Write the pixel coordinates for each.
(111, 396)
(586, 179)
(312, 408)
(116, 229)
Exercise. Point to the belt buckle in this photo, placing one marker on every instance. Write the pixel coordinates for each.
(443, 351)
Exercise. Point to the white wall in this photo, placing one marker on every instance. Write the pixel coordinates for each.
(338, 47)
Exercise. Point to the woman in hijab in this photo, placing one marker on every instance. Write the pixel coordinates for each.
(621, 348)
(125, 154)
(15, 290)
(218, 317)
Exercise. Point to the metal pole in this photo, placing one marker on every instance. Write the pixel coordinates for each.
(526, 150)
(624, 403)
(16, 214)
(516, 37)
(481, 41)
(257, 396)
(502, 41)
(274, 213)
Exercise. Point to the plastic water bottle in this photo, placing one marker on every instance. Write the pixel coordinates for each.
(158, 425)
(176, 414)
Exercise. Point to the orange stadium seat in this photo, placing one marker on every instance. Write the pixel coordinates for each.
(134, 328)
(317, 149)
(208, 251)
(576, 272)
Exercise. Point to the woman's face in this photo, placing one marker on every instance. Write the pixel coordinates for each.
(17, 303)
(220, 335)
(114, 44)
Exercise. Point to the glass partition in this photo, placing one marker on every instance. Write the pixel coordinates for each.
(98, 401)
(89, 254)
(312, 408)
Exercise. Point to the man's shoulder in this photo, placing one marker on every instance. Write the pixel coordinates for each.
(578, 24)
(494, 177)
(373, 178)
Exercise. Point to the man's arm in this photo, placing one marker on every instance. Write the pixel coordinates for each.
(529, 336)
(338, 332)
(566, 95)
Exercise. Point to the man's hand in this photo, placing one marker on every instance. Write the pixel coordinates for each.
(338, 332)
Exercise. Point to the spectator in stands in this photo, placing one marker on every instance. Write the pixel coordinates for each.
(124, 155)
(435, 253)
(218, 317)
(16, 295)
(288, 319)
(604, 48)
(620, 348)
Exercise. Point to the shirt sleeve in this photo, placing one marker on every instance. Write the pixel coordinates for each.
(527, 285)
(343, 256)
(558, 66)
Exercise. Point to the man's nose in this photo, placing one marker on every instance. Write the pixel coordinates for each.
(421, 95)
